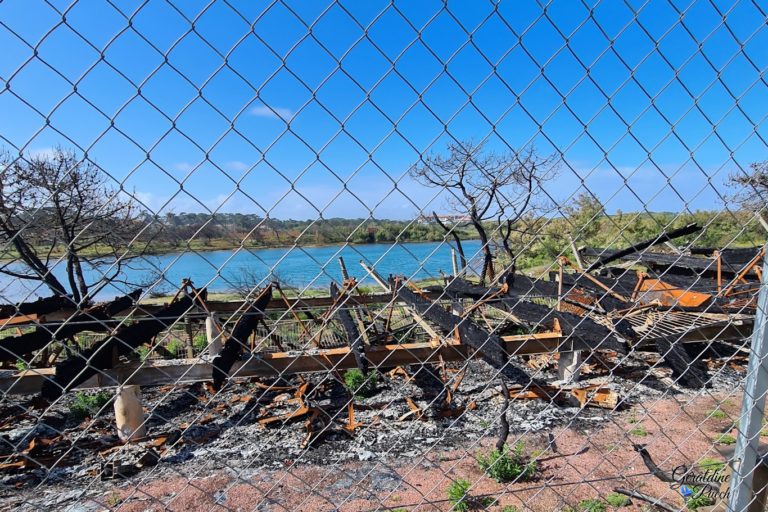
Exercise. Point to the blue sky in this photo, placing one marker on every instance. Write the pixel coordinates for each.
(290, 108)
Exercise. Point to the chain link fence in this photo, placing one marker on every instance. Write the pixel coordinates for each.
(382, 255)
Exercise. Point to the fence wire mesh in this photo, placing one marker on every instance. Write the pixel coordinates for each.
(524, 275)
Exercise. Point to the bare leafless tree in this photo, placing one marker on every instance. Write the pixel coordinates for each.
(57, 206)
(753, 187)
(486, 186)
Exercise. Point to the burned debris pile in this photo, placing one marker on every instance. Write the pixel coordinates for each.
(354, 362)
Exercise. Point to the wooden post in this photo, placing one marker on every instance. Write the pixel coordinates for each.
(569, 366)
(376, 277)
(343, 266)
(190, 349)
(129, 414)
(576, 254)
(454, 263)
(357, 316)
(559, 285)
(213, 335)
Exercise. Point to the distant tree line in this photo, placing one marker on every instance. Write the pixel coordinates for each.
(254, 230)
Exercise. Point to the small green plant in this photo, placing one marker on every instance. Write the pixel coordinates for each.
(114, 500)
(592, 505)
(725, 439)
(699, 499)
(617, 500)
(505, 466)
(458, 494)
(360, 385)
(485, 424)
(200, 342)
(718, 414)
(711, 464)
(509, 508)
(88, 405)
(175, 347)
(461, 501)
(638, 431)
(22, 365)
(142, 352)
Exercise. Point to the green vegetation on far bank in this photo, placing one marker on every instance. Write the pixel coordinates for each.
(536, 240)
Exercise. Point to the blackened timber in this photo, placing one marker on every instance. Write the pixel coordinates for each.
(96, 319)
(659, 260)
(225, 307)
(739, 257)
(525, 286)
(354, 338)
(80, 367)
(663, 237)
(41, 306)
(686, 371)
(488, 345)
(601, 295)
(234, 345)
(534, 315)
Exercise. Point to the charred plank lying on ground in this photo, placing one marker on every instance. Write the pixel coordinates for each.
(95, 319)
(535, 315)
(354, 338)
(80, 367)
(604, 259)
(243, 329)
(41, 306)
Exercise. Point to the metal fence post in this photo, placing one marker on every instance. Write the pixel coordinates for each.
(752, 406)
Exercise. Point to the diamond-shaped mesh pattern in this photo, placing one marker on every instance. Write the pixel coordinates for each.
(380, 255)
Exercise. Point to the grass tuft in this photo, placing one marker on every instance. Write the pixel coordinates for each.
(88, 405)
(505, 466)
(617, 500)
(360, 385)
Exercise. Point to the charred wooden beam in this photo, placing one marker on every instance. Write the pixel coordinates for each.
(735, 257)
(95, 319)
(524, 286)
(532, 315)
(658, 260)
(354, 338)
(234, 345)
(80, 367)
(224, 307)
(623, 286)
(663, 237)
(688, 372)
(42, 306)
(489, 345)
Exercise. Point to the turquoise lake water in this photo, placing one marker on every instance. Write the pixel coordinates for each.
(299, 267)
